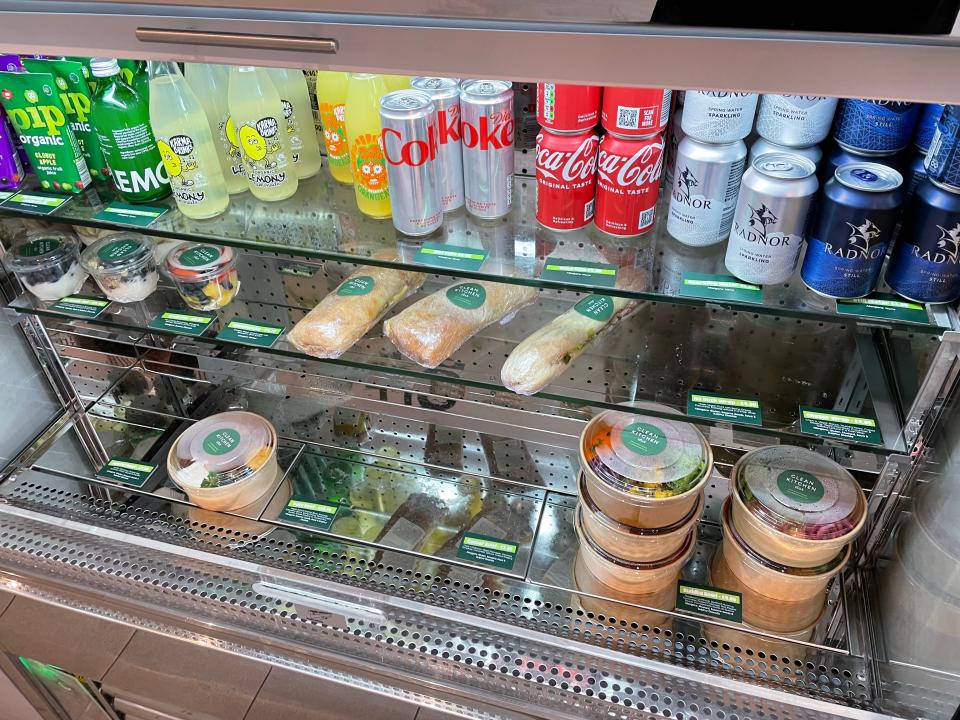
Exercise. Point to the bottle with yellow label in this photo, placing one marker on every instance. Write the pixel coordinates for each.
(298, 114)
(331, 99)
(396, 82)
(186, 144)
(257, 115)
(209, 83)
(364, 91)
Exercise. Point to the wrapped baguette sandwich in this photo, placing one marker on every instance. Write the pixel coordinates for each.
(431, 330)
(346, 314)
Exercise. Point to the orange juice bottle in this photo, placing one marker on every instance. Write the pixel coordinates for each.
(364, 91)
(331, 99)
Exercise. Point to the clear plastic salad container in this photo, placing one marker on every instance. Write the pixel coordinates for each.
(124, 266)
(47, 263)
(641, 470)
(205, 275)
(226, 461)
(794, 506)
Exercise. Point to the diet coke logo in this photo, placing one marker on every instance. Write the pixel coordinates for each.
(412, 152)
(639, 169)
(494, 132)
(579, 164)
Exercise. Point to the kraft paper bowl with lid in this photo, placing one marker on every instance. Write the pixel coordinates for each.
(795, 506)
(625, 576)
(746, 636)
(641, 470)
(226, 461)
(616, 606)
(124, 265)
(630, 543)
(47, 263)
(204, 274)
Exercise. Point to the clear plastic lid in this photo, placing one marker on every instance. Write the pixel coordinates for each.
(644, 455)
(223, 449)
(120, 252)
(799, 492)
(40, 250)
(196, 262)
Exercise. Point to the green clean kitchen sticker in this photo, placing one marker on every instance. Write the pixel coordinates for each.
(356, 286)
(488, 551)
(81, 306)
(251, 332)
(644, 438)
(317, 514)
(884, 306)
(468, 296)
(719, 287)
(455, 257)
(800, 486)
(127, 471)
(580, 272)
(710, 601)
(36, 202)
(596, 307)
(182, 322)
(221, 441)
(136, 215)
(840, 426)
(732, 408)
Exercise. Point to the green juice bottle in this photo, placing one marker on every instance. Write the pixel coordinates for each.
(122, 120)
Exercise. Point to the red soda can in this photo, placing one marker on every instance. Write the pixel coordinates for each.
(568, 108)
(635, 112)
(628, 182)
(566, 178)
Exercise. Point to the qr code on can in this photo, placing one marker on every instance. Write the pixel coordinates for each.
(588, 210)
(646, 218)
(628, 118)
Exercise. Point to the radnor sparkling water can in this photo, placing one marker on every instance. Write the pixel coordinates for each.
(445, 93)
(703, 194)
(795, 120)
(762, 146)
(718, 117)
(487, 123)
(770, 220)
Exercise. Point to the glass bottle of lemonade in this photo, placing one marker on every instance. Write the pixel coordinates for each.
(186, 144)
(209, 83)
(364, 91)
(397, 82)
(257, 114)
(298, 113)
(331, 98)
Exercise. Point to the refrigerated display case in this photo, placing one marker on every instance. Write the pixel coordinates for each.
(423, 538)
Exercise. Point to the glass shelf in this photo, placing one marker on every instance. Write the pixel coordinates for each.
(321, 221)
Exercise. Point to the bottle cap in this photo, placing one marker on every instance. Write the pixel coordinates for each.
(104, 67)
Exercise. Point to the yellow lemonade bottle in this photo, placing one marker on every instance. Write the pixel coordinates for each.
(397, 82)
(363, 135)
(209, 83)
(331, 98)
(257, 115)
(186, 144)
(298, 113)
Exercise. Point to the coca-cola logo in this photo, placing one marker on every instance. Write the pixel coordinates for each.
(567, 165)
(448, 120)
(413, 152)
(641, 168)
(494, 132)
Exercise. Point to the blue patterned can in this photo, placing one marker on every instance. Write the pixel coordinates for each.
(858, 211)
(875, 127)
(925, 263)
(943, 157)
(929, 117)
(838, 156)
(913, 172)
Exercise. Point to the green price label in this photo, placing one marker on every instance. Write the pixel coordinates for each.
(840, 426)
(580, 272)
(317, 514)
(456, 257)
(596, 307)
(124, 214)
(488, 551)
(469, 296)
(719, 287)
(182, 322)
(127, 471)
(710, 601)
(36, 202)
(81, 306)
(731, 408)
(884, 306)
(250, 332)
(298, 269)
(4, 194)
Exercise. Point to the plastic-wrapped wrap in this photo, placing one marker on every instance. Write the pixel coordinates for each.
(345, 315)
(431, 330)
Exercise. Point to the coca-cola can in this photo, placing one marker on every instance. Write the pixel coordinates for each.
(628, 182)
(566, 179)
(635, 112)
(408, 120)
(568, 108)
(486, 107)
(446, 97)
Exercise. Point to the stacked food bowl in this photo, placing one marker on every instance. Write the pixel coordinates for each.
(641, 495)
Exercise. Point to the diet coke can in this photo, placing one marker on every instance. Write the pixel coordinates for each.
(486, 107)
(635, 112)
(628, 182)
(568, 108)
(446, 97)
(409, 137)
(566, 179)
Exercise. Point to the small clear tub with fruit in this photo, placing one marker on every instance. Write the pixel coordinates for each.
(205, 275)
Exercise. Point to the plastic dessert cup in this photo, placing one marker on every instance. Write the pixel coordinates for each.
(47, 263)
(124, 265)
(794, 506)
(641, 470)
(205, 275)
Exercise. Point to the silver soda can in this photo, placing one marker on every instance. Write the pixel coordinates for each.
(703, 193)
(446, 97)
(795, 120)
(761, 146)
(770, 221)
(486, 107)
(408, 120)
(718, 117)
(674, 138)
